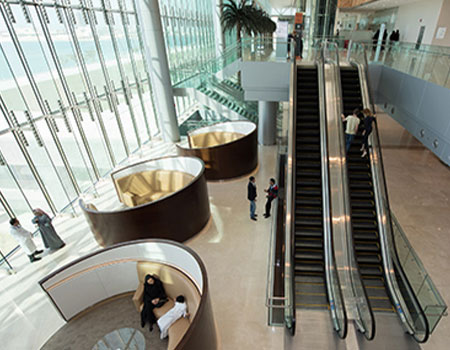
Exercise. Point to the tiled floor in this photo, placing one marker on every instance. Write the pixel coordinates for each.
(235, 250)
(419, 194)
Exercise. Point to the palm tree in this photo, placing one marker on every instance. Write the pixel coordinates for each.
(244, 16)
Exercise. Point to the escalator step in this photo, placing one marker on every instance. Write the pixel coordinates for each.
(309, 201)
(363, 213)
(309, 279)
(304, 117)
(309, 255)
(302, 266)
(365, 176)
(308, 211)
(361, 246)
(365, 235)
(358, 204)
(315, 173)
(309, 148)
(367, 270)
(308, 232)
(374, 282)
(306, 243)
(360, 185)
(310, 222)
(302, 124)
(369, 259)
(308, 157)
(364, 224)
(308, 165)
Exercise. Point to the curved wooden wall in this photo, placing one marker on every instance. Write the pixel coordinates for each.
(202, 332)
(177, 217)
(227, 161)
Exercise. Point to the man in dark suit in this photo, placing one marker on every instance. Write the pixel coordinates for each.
(272, 193)
(251, 196)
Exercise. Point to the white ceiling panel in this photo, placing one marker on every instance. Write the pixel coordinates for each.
(384, 4)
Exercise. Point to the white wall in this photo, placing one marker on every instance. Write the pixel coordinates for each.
(409, 16)
(444, 21)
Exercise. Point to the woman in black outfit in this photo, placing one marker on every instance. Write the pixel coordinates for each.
(154, 296)
(369, 118)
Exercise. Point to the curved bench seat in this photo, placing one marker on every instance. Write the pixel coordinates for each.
(228, 149)
(164, 198)
(175, 283)
(121, 269)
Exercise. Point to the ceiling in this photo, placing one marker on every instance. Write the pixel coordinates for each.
(283, 3)
(383, 4)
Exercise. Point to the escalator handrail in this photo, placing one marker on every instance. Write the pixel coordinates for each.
(331, 276)
(362, 326)
(289, 284)
(376, 147)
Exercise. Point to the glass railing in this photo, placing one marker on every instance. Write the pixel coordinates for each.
(258, 49)
(425, 290)
(427, 62)
(407, 302)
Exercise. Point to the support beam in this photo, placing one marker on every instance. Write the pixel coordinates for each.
(267, 122)
(150, 20)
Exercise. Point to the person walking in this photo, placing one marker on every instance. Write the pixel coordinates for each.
(251, 196)
(369, 118)
(351, 128)
(272, 193)
(25, 240)
(48, 233)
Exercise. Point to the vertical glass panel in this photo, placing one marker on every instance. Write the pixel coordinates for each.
(74, 153)
(47, 173)
(22, 172)
(7, 243)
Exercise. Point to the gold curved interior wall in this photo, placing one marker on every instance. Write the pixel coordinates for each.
(148, 186)
(213, 138)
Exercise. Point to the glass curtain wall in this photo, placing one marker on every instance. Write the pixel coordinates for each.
(189, 38)
(75, 101)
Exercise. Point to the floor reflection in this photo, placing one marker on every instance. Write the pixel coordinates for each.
(122, 339)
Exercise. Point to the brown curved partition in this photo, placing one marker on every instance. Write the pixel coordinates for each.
(228, 149)
(166, 198)
(115, 271)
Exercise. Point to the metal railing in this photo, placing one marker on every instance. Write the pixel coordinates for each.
(364, 318)
(334, 292)
(289, 285)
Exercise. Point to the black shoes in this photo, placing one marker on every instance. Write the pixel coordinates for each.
(38, 252)
(267, 216)
(254, 219)
(33, 258)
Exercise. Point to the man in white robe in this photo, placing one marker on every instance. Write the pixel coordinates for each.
(170, 317)
(25, 240)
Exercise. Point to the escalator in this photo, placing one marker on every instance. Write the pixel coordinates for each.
(309, 269)
(362, 201)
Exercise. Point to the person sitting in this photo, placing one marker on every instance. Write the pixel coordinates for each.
(154, 297)
(170, 317)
